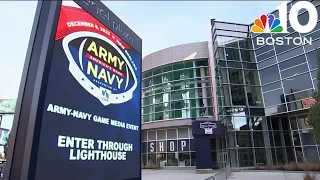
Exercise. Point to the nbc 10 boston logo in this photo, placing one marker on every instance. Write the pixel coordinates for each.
(100, 67)
(271, 24)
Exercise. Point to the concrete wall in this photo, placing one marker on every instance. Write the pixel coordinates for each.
(175, 54)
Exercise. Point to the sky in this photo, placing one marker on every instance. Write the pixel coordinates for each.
(160, 24)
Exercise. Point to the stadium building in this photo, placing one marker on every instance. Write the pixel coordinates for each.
(176, 86)
(260, 93)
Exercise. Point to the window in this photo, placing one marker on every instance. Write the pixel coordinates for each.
(235, 76)
(287, 138)
(275, 124)
(251, 77)
(157, 71)
(177, 66)
(167, 68)
(271, 86)
(157, 79)
(254, 96)
(243, 28)
(313, 35)
(188, 64)
(231, 42)
(167, 77)
(292, 62)
(314, 45)
(261, 156)
(303, 123)
(299, 96)
(315, 2)
(311, 154)
(269, 74)
(294, 106)
(201, 63)
(147, 82)
(245, 157)
(314, 74)
(225, 89)
(224, 75)
(230, 33)
(289, 54)
(232, 54)
(258, 138)
(265, 55)
(293, 123)
(312, 58)
(222, 63)
(294, 71)
(234, 64)
(315, 82)
(285, 123)
(220, 53)
(282, 48)
(147, 74)
(245, 43)
(307, 137)
(244, 139)
(178, 75)
(228, 26)
(238, 95)
(264, 49)
(266, 63)
(257, 112)
(297, 83)
(147, 109)
(275, 109)
(247, 55)
(273, 97)
(249, 65)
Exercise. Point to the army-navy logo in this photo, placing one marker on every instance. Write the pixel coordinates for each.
(100, 67)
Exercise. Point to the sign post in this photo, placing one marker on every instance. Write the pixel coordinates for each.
(78, 113)
(202, 131)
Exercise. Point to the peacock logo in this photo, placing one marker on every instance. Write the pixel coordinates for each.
(267, 24)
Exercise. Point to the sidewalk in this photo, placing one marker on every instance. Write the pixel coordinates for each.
(172, 175)
(268, 176)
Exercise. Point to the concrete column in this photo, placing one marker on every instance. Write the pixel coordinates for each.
(204, 90)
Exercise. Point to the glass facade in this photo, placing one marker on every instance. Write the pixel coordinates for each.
(288, 72)
(263, 95)
(177, 90)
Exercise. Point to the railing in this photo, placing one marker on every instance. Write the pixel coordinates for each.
(224, 173)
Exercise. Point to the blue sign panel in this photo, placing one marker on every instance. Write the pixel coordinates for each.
(91, 117)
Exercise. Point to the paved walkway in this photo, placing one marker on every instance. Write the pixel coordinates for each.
(172, 175)
(191, 175)
(268, 176)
